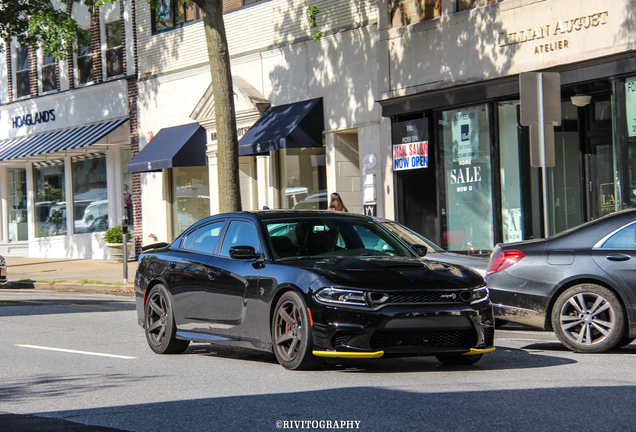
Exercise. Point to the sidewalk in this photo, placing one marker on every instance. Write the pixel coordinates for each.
(69, 275)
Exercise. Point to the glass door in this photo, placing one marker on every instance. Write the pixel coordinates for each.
(565, 187)
(16, 182)
(467, 222)
(601, 178)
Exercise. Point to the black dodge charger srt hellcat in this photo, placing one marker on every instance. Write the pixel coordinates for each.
(308, 285)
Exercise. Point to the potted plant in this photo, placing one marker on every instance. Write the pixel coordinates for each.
(114, 242)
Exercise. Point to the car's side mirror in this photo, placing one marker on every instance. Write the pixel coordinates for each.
(243, 252)
(421, 250)
(89, 218)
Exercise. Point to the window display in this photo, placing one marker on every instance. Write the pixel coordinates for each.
(16, 186)
(90, 193)
(190, 197)
(304, 178)
(50, 198)
(467, 215)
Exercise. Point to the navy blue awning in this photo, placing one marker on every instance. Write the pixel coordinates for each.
(56, 141)
(178, 146)
(295, 125)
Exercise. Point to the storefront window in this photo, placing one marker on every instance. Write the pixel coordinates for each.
(467, 223)
(16, 185)
(48, 73)
(126, 181)
(50, 199)
(22, 77)
(190, 197)
(114, 50)
(90, 193)
(520, 184)
(85, 62)
(304, 178)
(565, 196)
(630, 115)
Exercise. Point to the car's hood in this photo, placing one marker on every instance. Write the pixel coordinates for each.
(391, 273)
(479, 264)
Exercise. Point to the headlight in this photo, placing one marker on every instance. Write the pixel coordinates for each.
(341, 296)
(479, 295)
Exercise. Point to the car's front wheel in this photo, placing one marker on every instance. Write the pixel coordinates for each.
(159, 323)
(292, 333)
(588, 318)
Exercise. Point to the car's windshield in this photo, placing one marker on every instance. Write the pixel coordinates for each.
(411, 236)
(326, 236)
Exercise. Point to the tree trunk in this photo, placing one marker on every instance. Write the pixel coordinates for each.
(227, 154)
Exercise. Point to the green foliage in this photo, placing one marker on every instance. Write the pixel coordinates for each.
(312, 12)
(50, 193)
(38, 24)
(115, 235)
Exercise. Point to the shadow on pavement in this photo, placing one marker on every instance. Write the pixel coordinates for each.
(55, 306)
(500, 359)
(377, 409)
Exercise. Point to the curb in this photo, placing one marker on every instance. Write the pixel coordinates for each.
(69, 286)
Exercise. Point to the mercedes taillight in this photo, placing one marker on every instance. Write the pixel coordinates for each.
(503, 259)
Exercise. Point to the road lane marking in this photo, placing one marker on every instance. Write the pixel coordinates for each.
(76, 352)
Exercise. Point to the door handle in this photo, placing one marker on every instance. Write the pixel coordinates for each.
(618, 257)
(172, 265)
(212, 274)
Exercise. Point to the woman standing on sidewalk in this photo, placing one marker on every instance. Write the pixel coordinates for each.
(336, 203)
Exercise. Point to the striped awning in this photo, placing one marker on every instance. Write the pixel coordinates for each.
(56, 141)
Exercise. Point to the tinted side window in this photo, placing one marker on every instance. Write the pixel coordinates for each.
(186, 242)
(206, 238)
(240, 233)
(624, 239)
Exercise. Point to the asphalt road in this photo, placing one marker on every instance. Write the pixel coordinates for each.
(79, 362)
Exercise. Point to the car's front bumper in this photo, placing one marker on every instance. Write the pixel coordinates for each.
(402, 330)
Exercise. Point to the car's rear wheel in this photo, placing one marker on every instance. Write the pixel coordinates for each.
(459, 360)
(292, 333)
(588, 318)
(159, 323)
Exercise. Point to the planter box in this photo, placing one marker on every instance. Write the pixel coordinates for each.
(116, 251)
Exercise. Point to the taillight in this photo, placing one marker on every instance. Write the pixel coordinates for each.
(503, 259)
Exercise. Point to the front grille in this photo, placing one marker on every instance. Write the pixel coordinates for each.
(489, 336)
(428, 297)
(388, 339)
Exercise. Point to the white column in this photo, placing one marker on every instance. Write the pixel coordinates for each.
(263, 176)
(30, 201)
(4, 205)
(68, 179)
(386, 182)
(114, 186)
(331, 163)
(214, 182)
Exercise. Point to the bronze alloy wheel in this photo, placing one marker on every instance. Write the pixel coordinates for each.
(588, 318)
(159, 323)
(291, 333)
